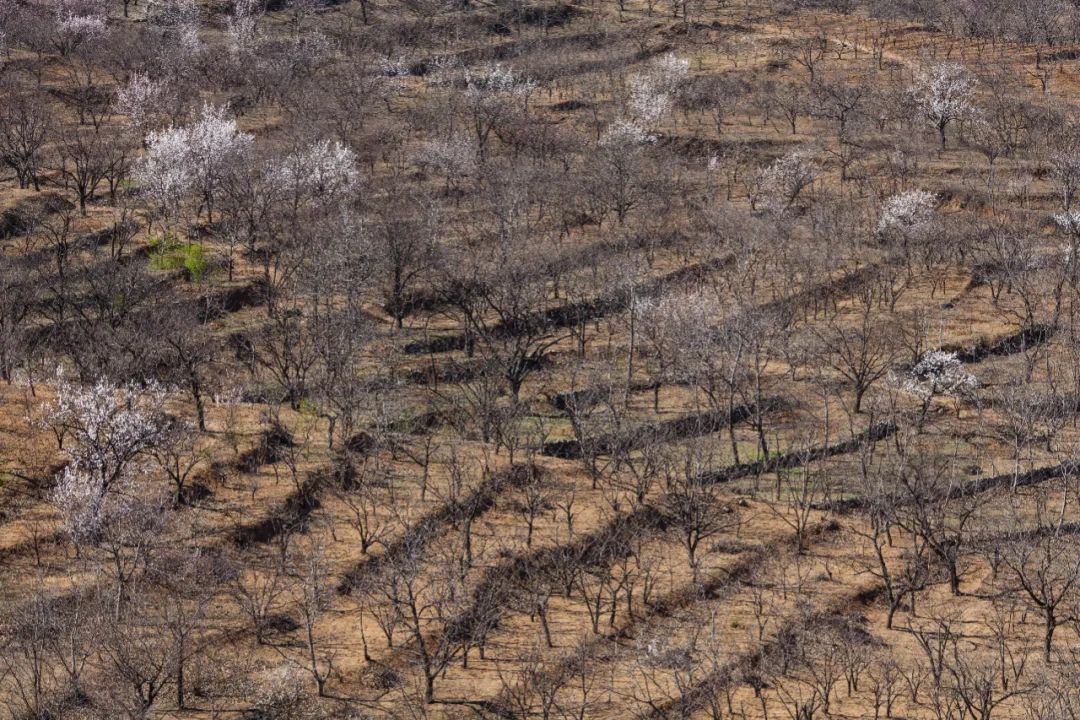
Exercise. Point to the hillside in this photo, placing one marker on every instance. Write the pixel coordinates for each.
(431, 359)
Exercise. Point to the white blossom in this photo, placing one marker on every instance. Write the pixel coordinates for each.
(82, 26)
(1069, 221)
(124, 514)
(662, 650)
(215, 139)
(393, 67)
(179, 160)
(165, 172)
(493, 84)
(677, 327)
(669, 69)
(284, 694)
(652, 92)
(443, 70)
(907, 211)
(623, 133)
(79, 497)
(939, 373)
(308, 51)
(9, 10)
(242, 27)
(76, 22)
(107, 425)
(780, 183)
(180, 19)
(311, 49)
(648, 106)
(324, 169)
(489, 78)
(493, 94)
(455, 157)
(105, 429)
(140, 98)
(943, 93)
(1065, 169)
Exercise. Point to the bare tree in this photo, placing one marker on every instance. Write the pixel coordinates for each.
(312, 590)
(860, 348)
(260, 593)
(405, 248)
(695, 509)
(1043, 565)
(178, 455)
(25, 127)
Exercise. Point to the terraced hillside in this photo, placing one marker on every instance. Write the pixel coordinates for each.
(421, 359)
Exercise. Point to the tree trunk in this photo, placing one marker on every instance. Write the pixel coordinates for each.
(1048, 638)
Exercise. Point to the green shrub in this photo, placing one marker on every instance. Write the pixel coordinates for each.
(195, 261)
(168, 252)
(306, 406)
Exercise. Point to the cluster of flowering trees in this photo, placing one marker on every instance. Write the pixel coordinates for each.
(211, 156)
(105, 432)
(194, 158)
